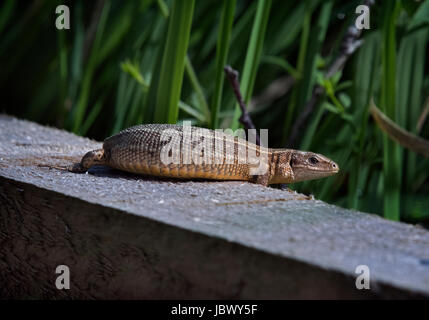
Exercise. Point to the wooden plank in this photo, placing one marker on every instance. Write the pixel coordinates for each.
(127, 236)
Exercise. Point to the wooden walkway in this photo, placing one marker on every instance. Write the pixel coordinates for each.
(127, 236)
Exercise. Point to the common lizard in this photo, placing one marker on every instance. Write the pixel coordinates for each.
(140, 149)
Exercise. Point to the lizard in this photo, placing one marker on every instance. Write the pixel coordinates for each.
(140, 149)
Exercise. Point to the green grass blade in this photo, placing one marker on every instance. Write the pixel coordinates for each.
(283, 35)
(253, 56)
(89, 71)
(222, 48)
(120, 97)
(410, 76)
(240, 33)
(93, 114)
(133, 70)
(63, 74)
(163, 8)
(421, 17)
(132, 117)
(158, 38)
(190, 71)
(364, 78)
(310, 47)
(120, 30)
(191, 111)
(76, 61)
(282, 63)
(300, 71)
(124, 103)
(391, 150)
(173, 62)
(202, 102)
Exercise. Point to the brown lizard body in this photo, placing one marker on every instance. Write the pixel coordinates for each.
(190, 152)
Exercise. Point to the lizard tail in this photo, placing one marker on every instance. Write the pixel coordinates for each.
(92, 158)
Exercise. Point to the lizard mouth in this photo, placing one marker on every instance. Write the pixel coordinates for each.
(325, 172)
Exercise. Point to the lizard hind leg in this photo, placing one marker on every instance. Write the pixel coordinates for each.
(262, 179)
(91, 158)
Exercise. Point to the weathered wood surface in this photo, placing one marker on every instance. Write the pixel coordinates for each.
(126, 236)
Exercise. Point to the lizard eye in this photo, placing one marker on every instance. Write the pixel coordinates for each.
(313, 160)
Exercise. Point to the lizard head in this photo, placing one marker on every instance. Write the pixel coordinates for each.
(309, 166)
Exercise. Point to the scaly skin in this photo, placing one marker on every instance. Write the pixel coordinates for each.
(140, 149)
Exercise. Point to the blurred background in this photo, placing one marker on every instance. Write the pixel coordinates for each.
(123, 63)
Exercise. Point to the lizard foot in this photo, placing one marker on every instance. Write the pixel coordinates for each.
(76, 168)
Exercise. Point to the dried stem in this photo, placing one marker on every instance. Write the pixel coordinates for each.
(245, 118)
